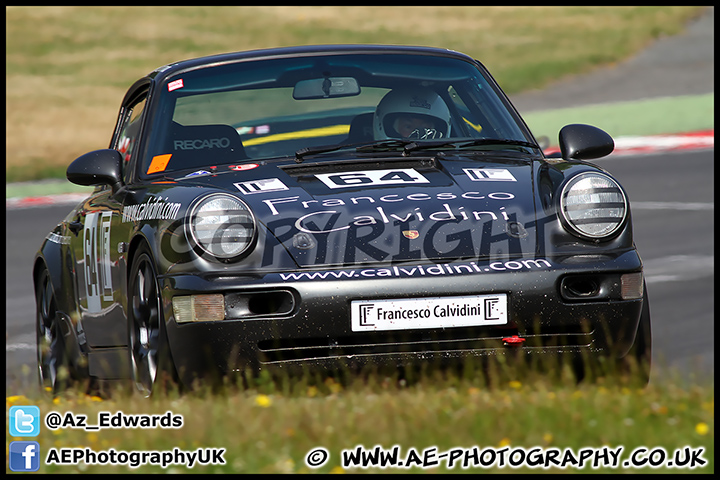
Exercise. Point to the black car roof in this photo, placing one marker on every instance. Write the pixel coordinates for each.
(170, 69)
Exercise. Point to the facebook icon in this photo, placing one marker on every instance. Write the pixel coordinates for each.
(24, 456)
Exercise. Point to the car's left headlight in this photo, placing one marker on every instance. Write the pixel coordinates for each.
(222, 225)
(593, 205)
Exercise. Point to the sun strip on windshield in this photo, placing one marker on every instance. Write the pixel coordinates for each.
(309, 133)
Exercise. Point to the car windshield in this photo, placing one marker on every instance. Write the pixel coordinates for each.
(268, 108)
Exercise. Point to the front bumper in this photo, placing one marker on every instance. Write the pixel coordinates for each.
(314, 329)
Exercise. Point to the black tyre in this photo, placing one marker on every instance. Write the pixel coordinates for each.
(634, 366)
(54, 372)
(150, 362)
(639, 358)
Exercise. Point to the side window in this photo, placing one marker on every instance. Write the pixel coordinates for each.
(130, 131)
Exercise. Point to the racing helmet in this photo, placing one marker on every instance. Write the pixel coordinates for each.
(418, 103)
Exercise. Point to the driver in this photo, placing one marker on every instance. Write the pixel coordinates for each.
(413, 113)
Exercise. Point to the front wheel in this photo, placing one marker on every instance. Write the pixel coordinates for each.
(634, 365)
(639, 358)
(150, 362)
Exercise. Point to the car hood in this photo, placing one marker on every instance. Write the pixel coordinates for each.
(391, 210)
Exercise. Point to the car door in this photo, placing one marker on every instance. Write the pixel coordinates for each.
(100, 239)
(94, 246)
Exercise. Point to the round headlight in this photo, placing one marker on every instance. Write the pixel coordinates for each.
(222, 226)
(593, 205)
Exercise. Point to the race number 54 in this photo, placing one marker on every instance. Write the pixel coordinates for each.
(371, 178)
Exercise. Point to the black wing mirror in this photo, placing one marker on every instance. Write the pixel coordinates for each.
(101, 167)
(584, 142)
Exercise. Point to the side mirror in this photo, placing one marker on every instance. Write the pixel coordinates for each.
(584, 142)
(101, 167)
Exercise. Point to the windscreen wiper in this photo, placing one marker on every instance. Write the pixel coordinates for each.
(385, 145)
(317, 150)
(408, 146)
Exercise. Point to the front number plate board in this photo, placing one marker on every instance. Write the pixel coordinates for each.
(430, 312)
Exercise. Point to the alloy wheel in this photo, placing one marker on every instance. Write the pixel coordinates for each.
(145, 325)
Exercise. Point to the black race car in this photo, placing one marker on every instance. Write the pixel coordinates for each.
(327, 206)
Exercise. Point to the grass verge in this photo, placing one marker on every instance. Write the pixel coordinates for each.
(270, 425)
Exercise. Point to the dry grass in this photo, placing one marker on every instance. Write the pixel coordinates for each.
(67, 68)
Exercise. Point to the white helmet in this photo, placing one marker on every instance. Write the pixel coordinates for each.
(414, 102)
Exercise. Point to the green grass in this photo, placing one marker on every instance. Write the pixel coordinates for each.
(270, 426)
(656, 116)
(67, 68)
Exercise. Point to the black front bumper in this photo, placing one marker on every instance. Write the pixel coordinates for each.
(315, 330)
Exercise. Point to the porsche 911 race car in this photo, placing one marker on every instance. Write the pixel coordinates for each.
(326, 206)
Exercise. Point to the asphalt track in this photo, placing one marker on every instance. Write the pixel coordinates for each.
(671, 192)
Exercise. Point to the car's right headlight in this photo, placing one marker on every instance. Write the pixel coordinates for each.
(222, 225)
(593, 206)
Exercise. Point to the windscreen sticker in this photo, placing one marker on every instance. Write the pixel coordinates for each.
(202, 143)
(197, 174)
(175, 85)
(159, 163)
(261, 186)
(489, 175)
(243, 167)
